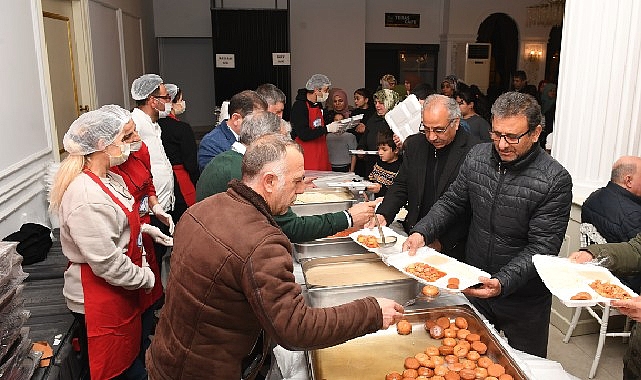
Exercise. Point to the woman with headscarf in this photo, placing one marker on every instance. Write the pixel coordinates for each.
(340, 104)
(449, 86)
(548, 109)
(384, 101)
(108, 278)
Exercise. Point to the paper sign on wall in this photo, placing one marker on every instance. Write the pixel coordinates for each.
(280, 59)
(225, 61)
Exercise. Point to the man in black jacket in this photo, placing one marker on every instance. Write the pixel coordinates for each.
(520, 201)
(615, 210)
(430, 164)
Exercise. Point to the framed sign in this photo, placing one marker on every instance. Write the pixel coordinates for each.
(280, 59)
(402, 20)
(226, 61)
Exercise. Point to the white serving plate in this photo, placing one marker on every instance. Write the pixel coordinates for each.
(565, 279)
(358, 151)
(468, 275)
(383, 252)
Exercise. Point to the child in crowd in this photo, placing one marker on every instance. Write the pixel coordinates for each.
(386, 166)
(338, 146)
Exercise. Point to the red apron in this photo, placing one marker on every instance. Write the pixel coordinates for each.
(112, 313)
(185, 185)
(316, 155)
(136, 172)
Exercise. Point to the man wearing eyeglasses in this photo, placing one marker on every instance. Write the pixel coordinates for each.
(151, 98)
(520, 200)
(431, 163)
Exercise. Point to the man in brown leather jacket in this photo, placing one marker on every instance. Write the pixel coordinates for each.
(231, 280)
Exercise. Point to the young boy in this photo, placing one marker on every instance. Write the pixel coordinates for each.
(338, 147)
(387, 164)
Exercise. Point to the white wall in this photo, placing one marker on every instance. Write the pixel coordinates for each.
(26, 143)
(325, 40)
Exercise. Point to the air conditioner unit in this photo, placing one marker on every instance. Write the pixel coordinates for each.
(477, 65)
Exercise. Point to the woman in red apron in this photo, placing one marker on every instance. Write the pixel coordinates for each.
(108, 278)
(308, 126)
(181, 149)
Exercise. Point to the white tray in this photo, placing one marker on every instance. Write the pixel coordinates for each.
(383, 252)
(356, 185)
(565, 279)
(358, 151)
(467, 274)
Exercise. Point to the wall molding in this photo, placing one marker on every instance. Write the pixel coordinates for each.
(26, 198)
(25, 162)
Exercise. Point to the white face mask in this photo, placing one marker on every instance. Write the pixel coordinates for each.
(125, 149)
(166, 112)
(183, 107)
(135, 146)
(323, 97)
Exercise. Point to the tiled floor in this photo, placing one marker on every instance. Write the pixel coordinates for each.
(576, 356)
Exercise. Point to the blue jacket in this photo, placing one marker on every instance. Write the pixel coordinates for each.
(219, 140)
(614, 211)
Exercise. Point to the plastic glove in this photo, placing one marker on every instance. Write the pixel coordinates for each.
(334, 127)
(157, 235)
(163, 217)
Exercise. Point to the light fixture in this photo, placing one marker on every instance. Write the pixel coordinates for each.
(547, 13)
(533, 52)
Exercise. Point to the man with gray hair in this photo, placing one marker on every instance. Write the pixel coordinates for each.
(227, 166)
(274, 97)
(431, 162)
(520, 198)
(231, 288)
(615, 210)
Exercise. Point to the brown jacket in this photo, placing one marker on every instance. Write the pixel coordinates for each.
(231, 276)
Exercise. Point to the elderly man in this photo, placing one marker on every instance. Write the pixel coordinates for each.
(615, 210)
(232, 283)
(623, 258)
(308, 126)
(227, 166)
(222, 137)
(431, 163)
(520, 200)
(151, 98)
(274, 97)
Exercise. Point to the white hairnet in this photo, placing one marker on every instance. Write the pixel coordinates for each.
(172, 90)
(317, 81)
(144, 85)
(95, 130)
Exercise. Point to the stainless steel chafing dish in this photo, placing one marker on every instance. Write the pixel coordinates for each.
(374, 355)
(326, 247)
(339, 199)
(333, 281)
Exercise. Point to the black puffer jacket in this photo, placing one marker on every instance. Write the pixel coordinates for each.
(519, 209)
(614, 211)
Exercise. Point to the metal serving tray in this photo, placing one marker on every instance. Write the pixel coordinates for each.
(305, 209)
(326, 247)
(374, 355)
(383, 281)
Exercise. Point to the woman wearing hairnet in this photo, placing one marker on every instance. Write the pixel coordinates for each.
(108, 276)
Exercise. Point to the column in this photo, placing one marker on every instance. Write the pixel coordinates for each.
(599, 90)
(598, 102)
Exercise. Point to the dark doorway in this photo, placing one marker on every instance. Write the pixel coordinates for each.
(501, 31)
(416, 63)
(553, 55)
(251, 36)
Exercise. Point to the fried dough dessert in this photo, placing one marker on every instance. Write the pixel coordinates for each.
(581, 296)
(609, 290)
(424, 271)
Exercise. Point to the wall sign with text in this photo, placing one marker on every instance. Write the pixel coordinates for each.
(402, 20)
(225, 61)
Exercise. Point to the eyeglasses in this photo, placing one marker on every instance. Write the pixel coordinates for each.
(510, 138)
(166, 97)
(437, 130)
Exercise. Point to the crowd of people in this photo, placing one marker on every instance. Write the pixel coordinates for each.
(476, 181)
